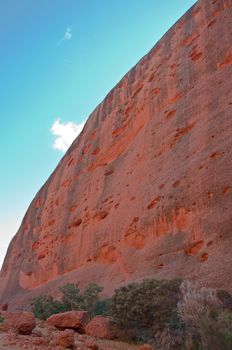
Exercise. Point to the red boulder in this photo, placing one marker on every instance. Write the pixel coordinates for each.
(101, 327)
(76, 320)
(23, 322)
(145, 347)
(65, 339)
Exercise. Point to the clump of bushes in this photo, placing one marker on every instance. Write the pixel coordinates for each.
(45, 305)
(1, 319)
(72, 299)
(175, 315)
(75, 299)
(144, 308)
(204, 321)
(170, 314)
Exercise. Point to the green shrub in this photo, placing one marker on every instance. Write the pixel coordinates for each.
(145, 307)
(44, 306)
(75, 299)
(91, 298)
(1, 319)
(72, 298)
(102, 307)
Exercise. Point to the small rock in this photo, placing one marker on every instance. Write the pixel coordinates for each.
(91, 344)
(65, 339)
(81, 337)
(40, 331)
(145, 347)
(4, 307)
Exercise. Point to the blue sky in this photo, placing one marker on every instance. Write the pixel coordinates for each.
(58, 60)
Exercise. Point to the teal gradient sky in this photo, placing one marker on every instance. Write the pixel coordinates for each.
(45, 76)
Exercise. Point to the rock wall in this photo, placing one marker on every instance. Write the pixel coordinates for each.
(146, 189)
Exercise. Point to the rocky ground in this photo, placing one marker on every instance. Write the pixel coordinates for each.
(10, 341)
(69, 330)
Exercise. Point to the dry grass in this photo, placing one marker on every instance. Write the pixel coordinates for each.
(196, 303)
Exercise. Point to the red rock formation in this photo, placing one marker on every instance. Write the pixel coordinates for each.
(145, 190)
(101, 327)
(65, 339)
(23, 322)
(76, 320)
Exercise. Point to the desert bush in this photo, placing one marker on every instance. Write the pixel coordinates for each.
(44, 306)
(225, 298)
(172, 336)
(196, 304)
(208, 324)
(75, 299)
(72, 299)
(216, 331)
(102, 307)
(145, 307)
(91, 298)
(168, 339)
(1, 319)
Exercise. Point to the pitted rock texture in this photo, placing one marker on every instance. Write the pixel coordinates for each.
(146, 189)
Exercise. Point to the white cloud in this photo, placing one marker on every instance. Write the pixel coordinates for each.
(67, 36)
(65, 134)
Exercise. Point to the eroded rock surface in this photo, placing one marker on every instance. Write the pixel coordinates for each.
(145, 190)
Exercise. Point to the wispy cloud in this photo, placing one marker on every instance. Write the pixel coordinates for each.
(65, 134)
(68, 34)
(66, 37)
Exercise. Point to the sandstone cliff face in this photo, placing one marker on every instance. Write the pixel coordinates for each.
(146, 189)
